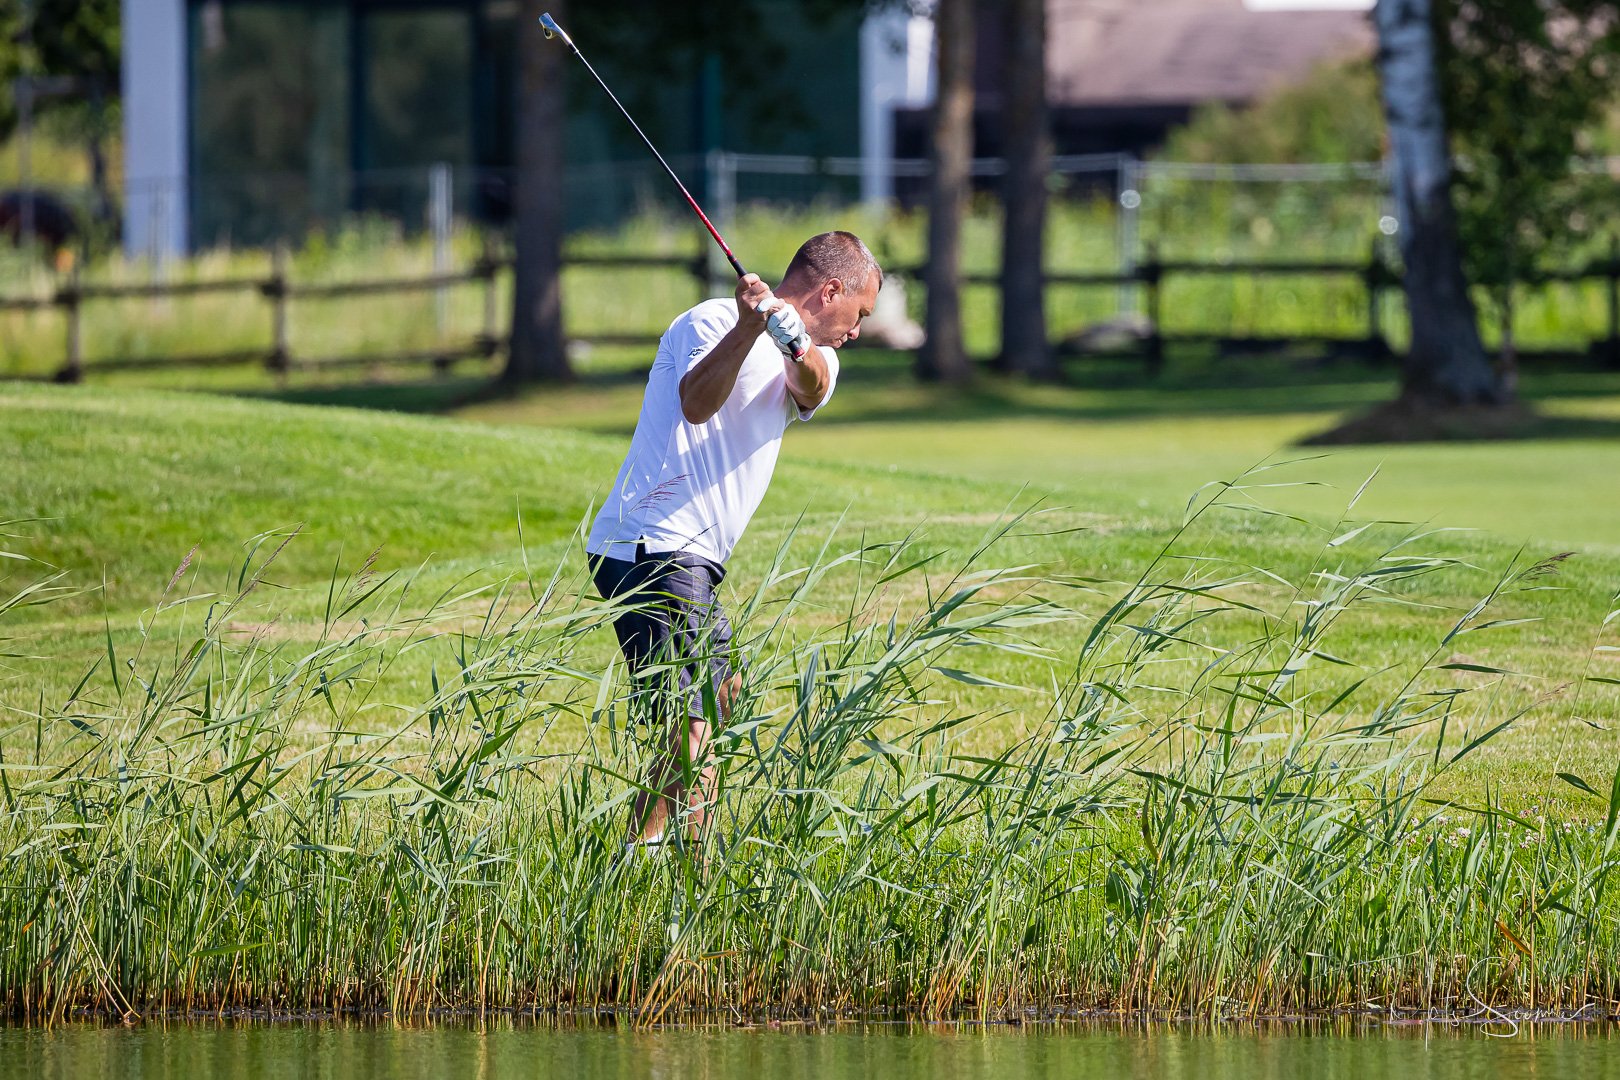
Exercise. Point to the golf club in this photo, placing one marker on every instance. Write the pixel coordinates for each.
(552, 30)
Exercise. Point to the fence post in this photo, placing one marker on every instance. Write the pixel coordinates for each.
(70, 298)
(1150, 272)
(702, 268)
(1129, 194)
(721, 178)
(440, 209)
(275, 290)
(1613, 344)
(158, 232)
(1374, 278)
(486, 270)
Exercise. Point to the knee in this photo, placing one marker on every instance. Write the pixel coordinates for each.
(726, 693)
(697, 738)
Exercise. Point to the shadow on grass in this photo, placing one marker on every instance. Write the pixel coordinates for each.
(878, 386)
(435, 395)
(1188, 388)
(426, 396)
(1402, 421)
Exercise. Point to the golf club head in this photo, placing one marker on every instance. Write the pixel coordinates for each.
(549, 27)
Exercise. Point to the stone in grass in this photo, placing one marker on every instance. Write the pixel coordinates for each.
(890, 326)
(1122, 333)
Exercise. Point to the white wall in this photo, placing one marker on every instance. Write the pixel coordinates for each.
(154, 93)
(897, 71)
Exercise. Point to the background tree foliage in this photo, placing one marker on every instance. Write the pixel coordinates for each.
(1529, 85)
(649, 49)
(78, 38)
(646, 50)
(670, 48)
(1332, 115)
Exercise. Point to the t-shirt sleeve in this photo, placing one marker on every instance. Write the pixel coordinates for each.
(831, 356)
(699, 330)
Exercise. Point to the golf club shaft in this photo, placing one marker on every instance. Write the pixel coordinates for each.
(551, 28)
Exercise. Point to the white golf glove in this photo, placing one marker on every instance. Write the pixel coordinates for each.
(786, 328)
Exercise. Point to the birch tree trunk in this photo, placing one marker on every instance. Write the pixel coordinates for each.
(943, 355)
(537, 350)
(1446, 365)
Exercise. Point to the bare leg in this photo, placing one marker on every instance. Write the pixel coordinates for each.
(686, 757)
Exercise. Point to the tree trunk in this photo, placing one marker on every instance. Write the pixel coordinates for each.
(538, 349)
(1507, 357)
(1024, 347)
(1446, 364)
(943, 355)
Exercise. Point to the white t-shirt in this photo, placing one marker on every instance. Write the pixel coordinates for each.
(694, 487)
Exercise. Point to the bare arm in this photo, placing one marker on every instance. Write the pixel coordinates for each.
(809, 379)
(710, 381)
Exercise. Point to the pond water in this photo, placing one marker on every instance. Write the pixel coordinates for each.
(506, 1051)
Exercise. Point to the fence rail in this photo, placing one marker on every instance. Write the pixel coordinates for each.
(1375, 274)
(1148, 274)
(1129, 206)
(280, 291)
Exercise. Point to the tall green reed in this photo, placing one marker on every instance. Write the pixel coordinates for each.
(1208, 806)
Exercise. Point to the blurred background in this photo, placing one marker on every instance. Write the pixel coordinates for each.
(264, 193)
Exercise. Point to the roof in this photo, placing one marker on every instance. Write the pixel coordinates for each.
(1176, 52)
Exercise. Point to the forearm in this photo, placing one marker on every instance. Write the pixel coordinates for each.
(808, 380)
(705, 388)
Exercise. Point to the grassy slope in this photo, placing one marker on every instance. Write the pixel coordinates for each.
(130, 481)
(1112, 442)
(123, 484)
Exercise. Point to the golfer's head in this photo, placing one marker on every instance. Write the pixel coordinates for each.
(833, 280)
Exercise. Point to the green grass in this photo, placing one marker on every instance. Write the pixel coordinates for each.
(1118, 443)
(1126, 456)
(301, 774)
(1119, 461)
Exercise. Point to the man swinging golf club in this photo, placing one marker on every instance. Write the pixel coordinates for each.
(728, 379)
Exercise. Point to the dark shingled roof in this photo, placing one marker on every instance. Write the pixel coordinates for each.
(1168, 52)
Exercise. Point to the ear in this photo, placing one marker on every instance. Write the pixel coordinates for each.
(832, 290)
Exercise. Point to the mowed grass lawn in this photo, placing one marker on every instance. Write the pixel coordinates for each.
(117, 485)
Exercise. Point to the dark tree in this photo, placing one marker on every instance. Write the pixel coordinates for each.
(538, 349)
(943, 355)
(1556, 64)
(1024, 346)
(1446, 365)
(77, 44)
(643, 48)
(74, 38)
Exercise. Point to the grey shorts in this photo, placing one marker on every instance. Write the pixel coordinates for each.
(673, 617)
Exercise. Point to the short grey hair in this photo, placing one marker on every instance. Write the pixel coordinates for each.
(830, 255)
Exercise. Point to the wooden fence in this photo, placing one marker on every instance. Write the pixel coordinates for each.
(1374, 273)
(280, 291)
(1149, 275)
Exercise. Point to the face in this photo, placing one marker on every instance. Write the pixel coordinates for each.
(841, 310)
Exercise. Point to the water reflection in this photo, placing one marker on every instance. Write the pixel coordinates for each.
(507, 1050)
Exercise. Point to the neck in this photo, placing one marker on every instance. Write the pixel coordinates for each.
(795, 294)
